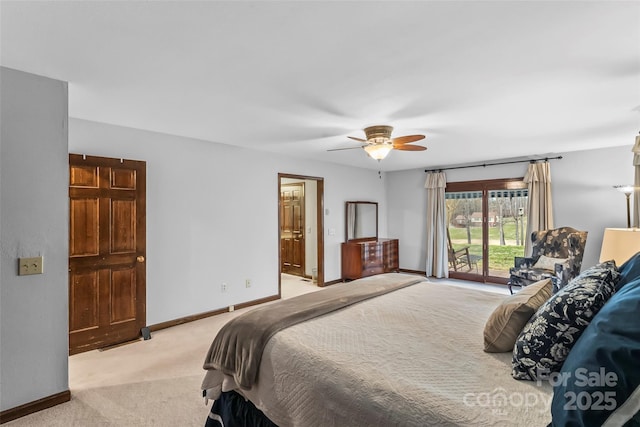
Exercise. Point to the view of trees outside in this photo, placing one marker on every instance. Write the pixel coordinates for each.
(507, 220)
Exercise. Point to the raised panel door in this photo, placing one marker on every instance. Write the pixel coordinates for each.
(107, 241)
(292, 228)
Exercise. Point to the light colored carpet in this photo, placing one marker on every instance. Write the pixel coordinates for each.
(145, 383)
(154, 382)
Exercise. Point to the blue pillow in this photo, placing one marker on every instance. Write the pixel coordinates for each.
(629, 271)
(608, 352)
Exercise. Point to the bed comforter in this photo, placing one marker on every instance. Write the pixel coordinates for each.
(237, 349)
(412, 357)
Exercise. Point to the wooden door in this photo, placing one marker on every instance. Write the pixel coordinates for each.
(107, 251)
(293, 226)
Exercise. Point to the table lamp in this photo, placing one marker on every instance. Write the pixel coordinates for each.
(620, 244)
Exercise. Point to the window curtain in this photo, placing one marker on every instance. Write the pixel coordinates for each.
(540, 215)
(636, 190)
(437, 259)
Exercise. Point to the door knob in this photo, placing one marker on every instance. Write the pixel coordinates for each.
(140, 258)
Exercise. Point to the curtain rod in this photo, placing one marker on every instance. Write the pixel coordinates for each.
(495, 164)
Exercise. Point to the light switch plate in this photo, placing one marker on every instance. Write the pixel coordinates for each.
(30, 266)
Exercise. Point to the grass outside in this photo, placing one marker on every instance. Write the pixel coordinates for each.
(460, 234)
(501, 257)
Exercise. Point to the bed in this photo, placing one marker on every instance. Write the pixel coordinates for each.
(410, 356)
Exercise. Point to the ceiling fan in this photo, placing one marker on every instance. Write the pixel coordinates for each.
(379, 142)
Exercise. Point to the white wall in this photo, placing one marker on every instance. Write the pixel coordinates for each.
(33, 222)
(584, 196)
(582, 191)
(202, 231)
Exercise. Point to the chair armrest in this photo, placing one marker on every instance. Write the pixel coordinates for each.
(463, 250)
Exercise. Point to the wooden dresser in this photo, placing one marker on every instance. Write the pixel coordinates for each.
(366, 258)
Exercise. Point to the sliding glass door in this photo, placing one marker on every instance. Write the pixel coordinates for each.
(485, 229)
(465, 232)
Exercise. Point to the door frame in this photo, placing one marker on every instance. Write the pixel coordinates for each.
(319, 224)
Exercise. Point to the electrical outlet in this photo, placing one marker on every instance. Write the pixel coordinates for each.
(30, 266)
(224, 287)
(247, 283)
(231, 308)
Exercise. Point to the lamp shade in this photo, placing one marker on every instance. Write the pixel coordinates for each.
(636, 146)
(626, 189)
(620, 244)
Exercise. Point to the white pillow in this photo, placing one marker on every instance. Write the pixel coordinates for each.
(547, 263)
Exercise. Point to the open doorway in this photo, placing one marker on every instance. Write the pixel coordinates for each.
(300, 229)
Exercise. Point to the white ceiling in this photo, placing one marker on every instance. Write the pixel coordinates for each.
(483, 80)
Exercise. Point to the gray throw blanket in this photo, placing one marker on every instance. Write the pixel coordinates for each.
(237, 349)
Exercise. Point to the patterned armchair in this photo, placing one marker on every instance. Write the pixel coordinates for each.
(565, 244)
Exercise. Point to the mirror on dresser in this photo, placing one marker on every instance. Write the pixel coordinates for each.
(363, 252)
(361, 221)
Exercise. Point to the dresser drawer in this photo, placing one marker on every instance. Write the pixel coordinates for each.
(372, 271)
(372, 256)
(373, 263)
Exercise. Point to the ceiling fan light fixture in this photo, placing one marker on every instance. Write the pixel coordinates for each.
(379, 142)
(378, 151)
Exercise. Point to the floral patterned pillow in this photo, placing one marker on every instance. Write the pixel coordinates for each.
(547, 338)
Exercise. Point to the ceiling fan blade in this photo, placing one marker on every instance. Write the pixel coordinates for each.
(409, 147)
(406, 139)
(357, 139)
(348, 148)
